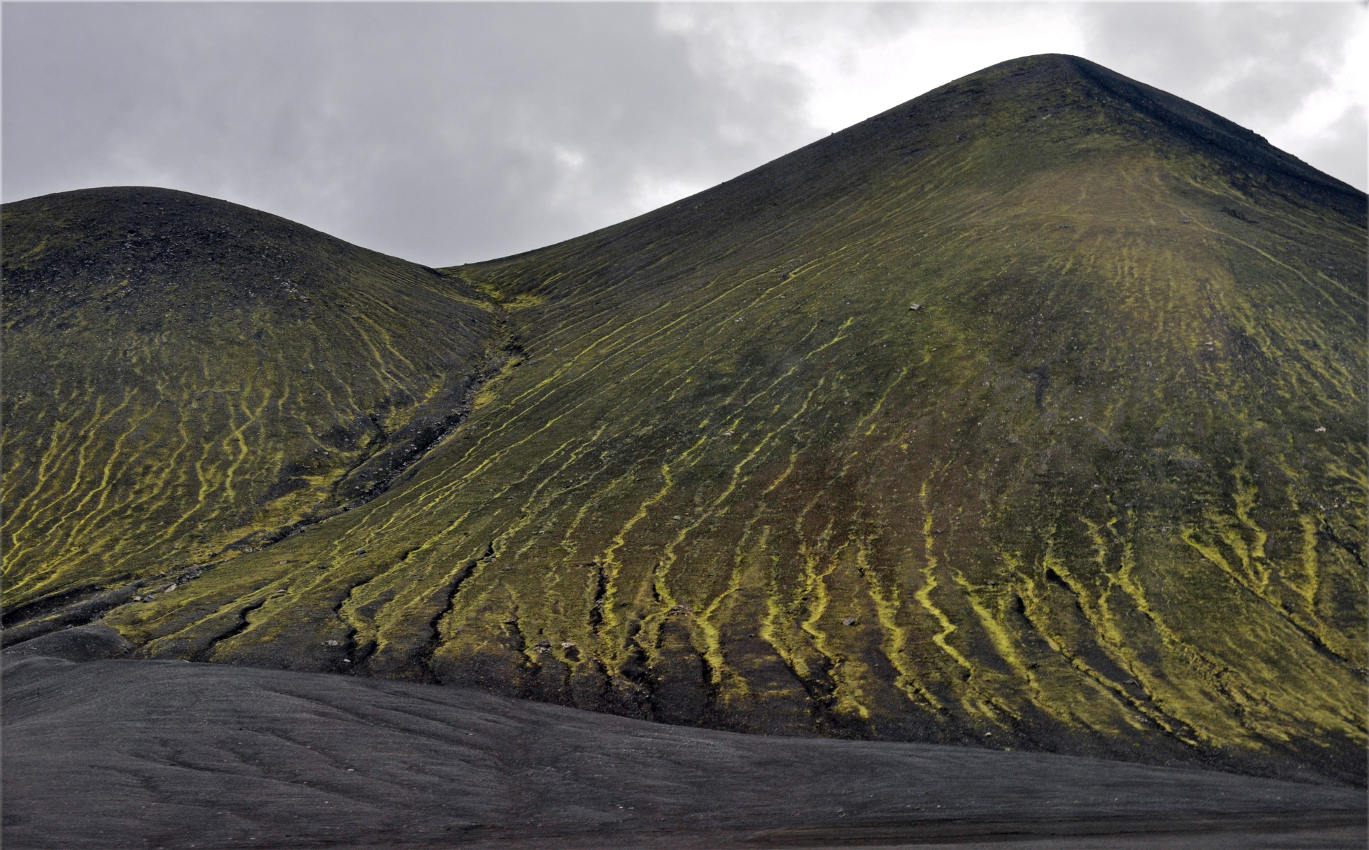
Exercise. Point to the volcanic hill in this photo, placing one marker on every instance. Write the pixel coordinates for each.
(1029, 413)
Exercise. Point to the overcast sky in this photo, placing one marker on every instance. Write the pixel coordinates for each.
(452, 132)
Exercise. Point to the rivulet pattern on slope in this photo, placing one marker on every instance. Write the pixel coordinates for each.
(1028, 413)
(186, 379)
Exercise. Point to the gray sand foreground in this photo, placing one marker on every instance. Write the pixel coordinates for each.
(129, 753)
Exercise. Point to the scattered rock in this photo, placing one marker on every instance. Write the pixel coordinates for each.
(849, 621)
(915, 307)
(1321, 429)
(331, 642)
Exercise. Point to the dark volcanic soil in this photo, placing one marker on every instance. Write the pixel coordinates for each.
(113, 753)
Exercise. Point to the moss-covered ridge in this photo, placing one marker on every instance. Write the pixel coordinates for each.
(1029, 413)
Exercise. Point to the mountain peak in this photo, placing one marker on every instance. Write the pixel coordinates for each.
(1155, 113)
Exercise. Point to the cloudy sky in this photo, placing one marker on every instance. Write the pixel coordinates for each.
(452, 132)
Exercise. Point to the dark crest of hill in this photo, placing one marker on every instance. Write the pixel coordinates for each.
(1027, 413)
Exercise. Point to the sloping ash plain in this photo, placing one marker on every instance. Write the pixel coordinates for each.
(145, 753)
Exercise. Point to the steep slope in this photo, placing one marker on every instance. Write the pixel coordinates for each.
(1029, 413)
(186, 379)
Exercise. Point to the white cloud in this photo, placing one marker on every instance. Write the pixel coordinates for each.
(850, 83)
(1329, 128)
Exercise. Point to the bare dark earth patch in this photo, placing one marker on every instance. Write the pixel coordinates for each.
(132, 753)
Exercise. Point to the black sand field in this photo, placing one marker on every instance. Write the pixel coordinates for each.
(115, 753)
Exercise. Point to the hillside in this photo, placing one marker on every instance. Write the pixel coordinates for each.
(1027, 414)
(187, 379)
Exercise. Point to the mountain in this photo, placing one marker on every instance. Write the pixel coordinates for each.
(187, 378)
(1027, 414)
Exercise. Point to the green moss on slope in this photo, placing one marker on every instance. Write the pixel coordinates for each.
(186, 380)
(1027, 413)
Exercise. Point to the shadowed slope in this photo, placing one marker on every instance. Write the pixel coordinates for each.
(1028, 413)
(186, 378)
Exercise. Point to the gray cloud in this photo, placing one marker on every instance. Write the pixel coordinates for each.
(437, 132)
(1343, 144)
(453, 132)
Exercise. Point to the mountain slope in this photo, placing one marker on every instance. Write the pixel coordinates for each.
(1028, 413)
(186, 378)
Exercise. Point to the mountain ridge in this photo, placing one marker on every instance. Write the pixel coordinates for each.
(1200, 126)
(1015, 413)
